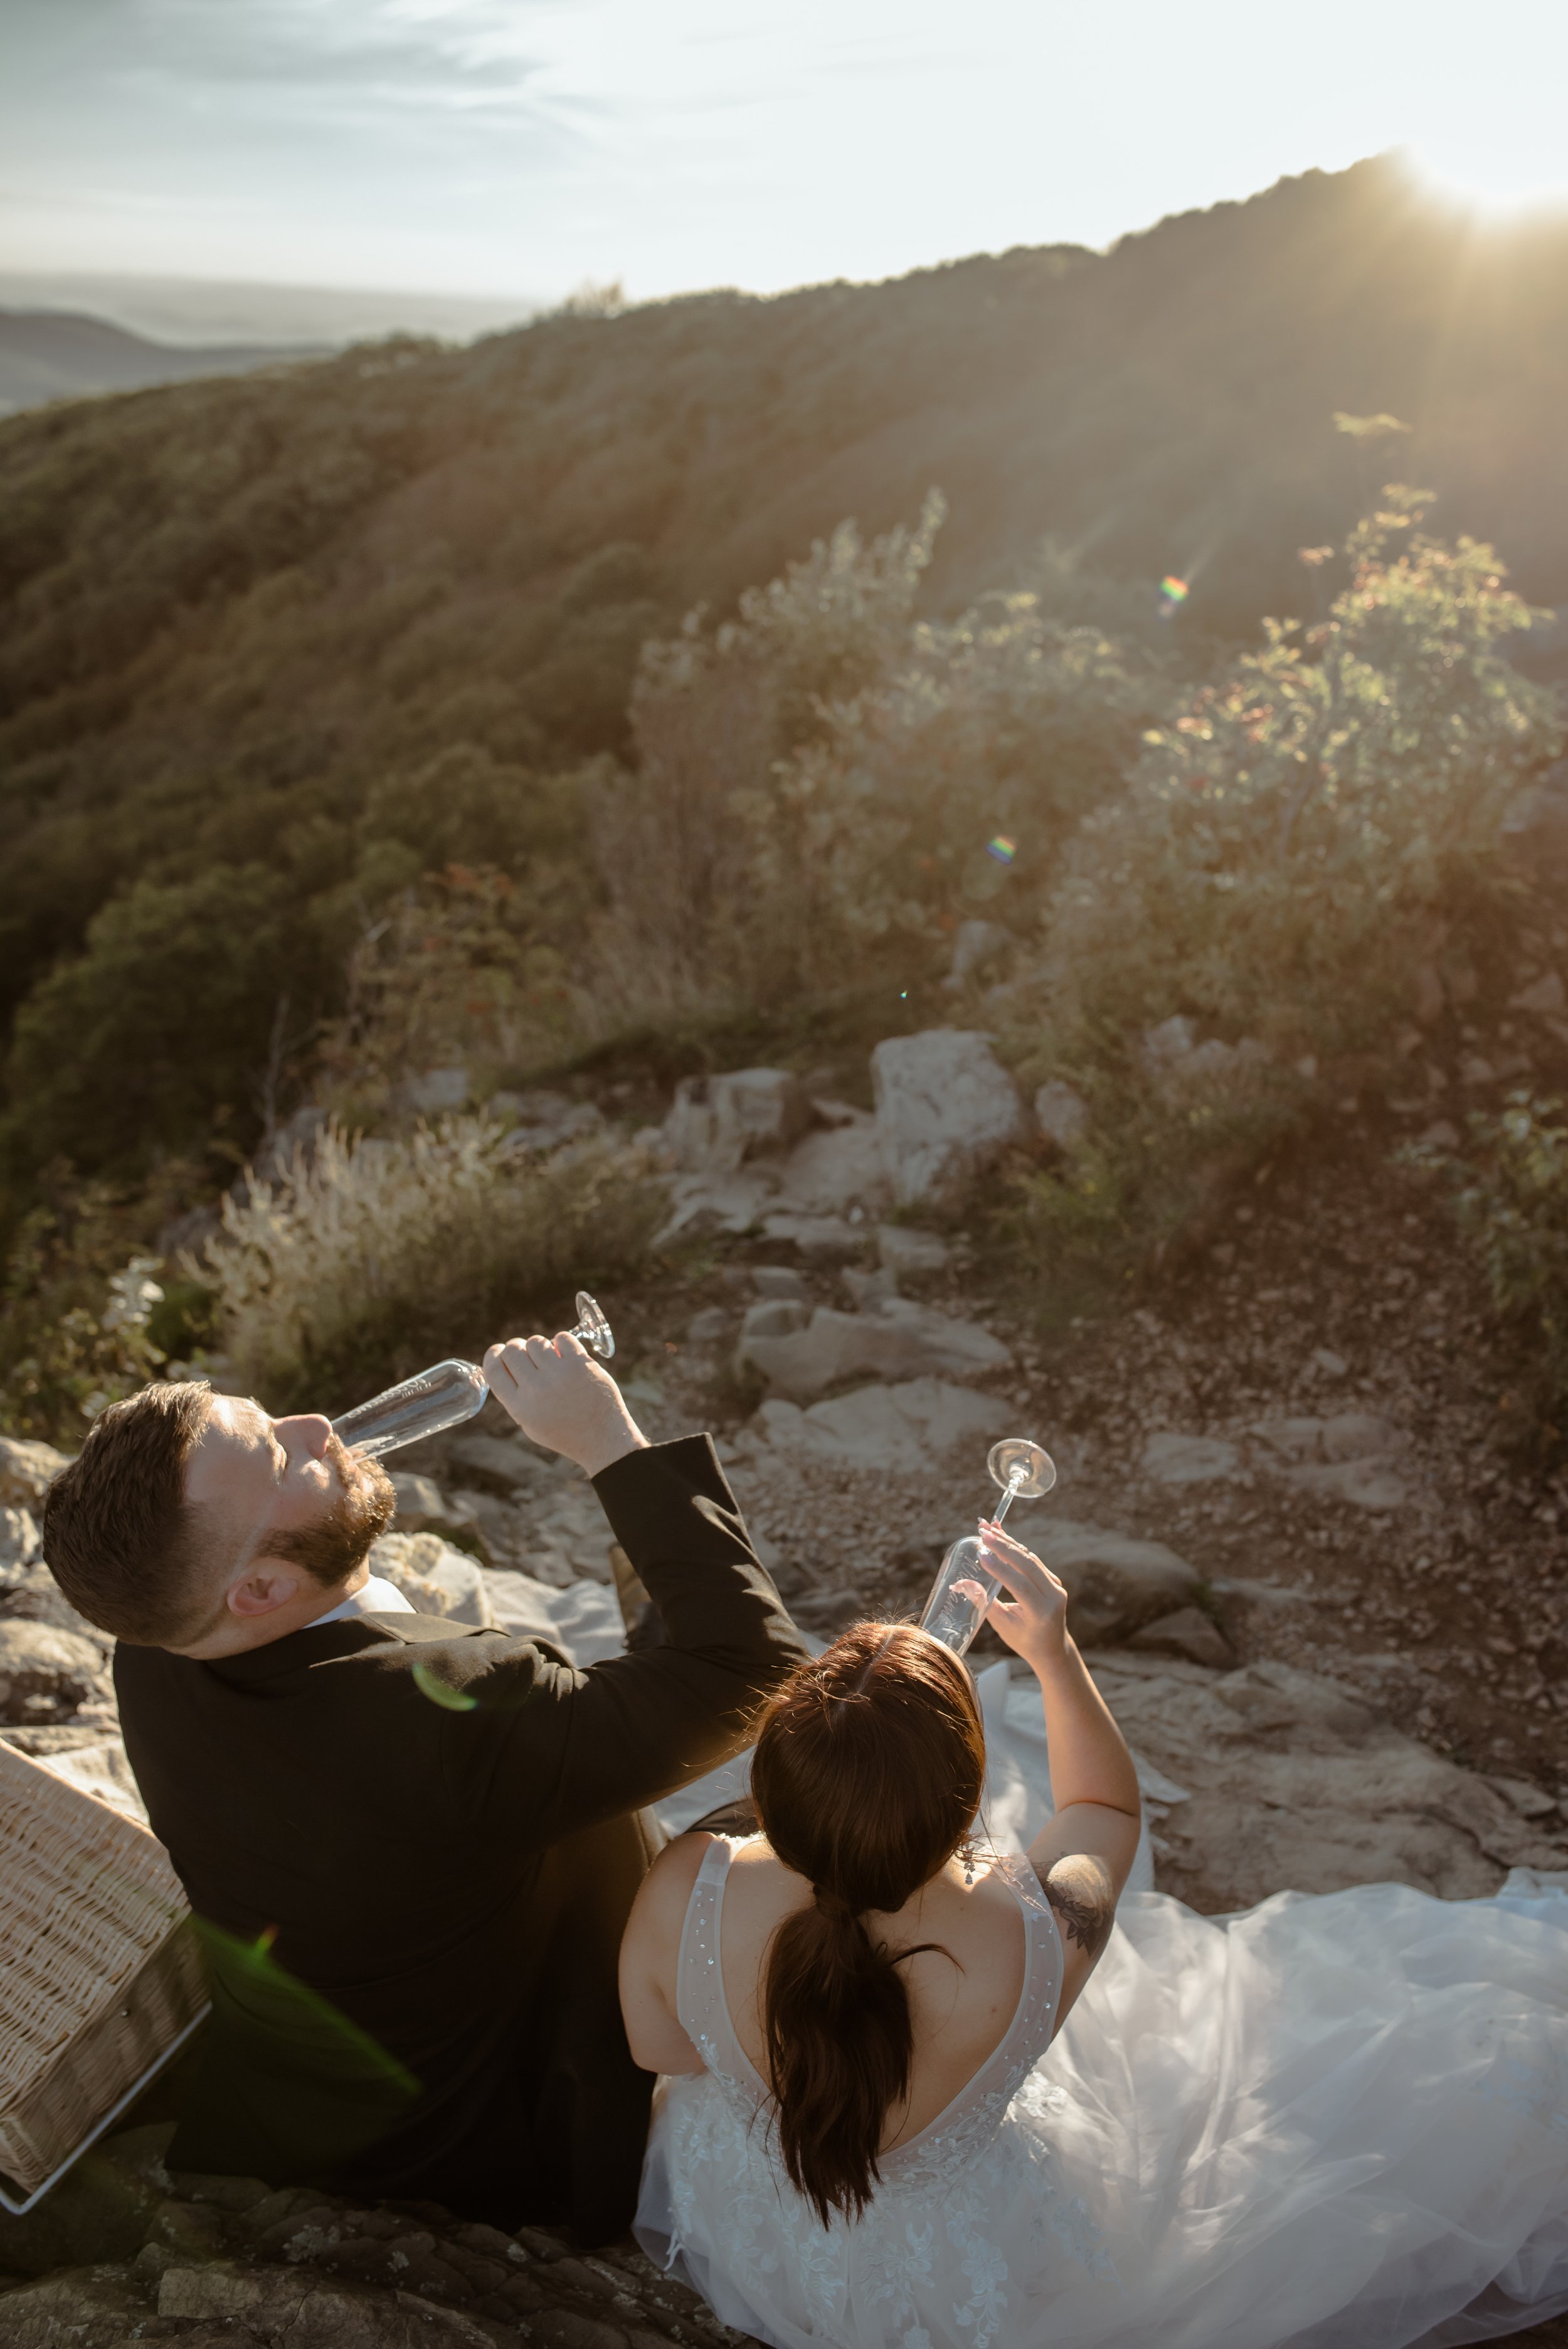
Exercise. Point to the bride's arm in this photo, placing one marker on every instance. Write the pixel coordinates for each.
(1083, 1854)
(650, 1959)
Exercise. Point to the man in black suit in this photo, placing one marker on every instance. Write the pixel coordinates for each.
(410, 1847)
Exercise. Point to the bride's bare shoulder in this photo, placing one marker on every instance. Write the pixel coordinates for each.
(660, 1907)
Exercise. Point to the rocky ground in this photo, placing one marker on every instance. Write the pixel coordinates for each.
(124, 2251)
(1326, 1600)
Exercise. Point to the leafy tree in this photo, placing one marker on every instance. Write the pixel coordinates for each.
(167, 1019)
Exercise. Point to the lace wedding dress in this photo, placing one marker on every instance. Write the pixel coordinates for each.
(1337, 2121)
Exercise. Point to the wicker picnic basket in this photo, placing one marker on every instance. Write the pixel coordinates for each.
(99, 1970)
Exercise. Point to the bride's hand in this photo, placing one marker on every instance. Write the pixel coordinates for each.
(1034, 1621)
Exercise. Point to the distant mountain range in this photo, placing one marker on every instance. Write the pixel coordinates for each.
(62, 355)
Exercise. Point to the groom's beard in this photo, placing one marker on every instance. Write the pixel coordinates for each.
(340, 1541)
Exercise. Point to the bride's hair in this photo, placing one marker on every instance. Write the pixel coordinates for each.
(868, 1771)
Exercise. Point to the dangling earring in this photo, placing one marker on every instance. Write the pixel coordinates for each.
(968, 1852)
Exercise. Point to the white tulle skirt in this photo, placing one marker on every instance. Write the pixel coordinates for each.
(1337, 2121)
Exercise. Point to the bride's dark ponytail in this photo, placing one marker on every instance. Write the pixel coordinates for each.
(868, 1771)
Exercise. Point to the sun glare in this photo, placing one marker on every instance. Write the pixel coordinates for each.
(1494, 180)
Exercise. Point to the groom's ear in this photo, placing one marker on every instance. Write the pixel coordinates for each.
(266, 1586)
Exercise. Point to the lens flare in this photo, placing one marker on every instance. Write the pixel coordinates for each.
(451, 1699)
(1174, 590)
(1003, 849)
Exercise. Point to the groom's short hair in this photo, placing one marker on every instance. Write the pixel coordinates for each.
(119, 1537)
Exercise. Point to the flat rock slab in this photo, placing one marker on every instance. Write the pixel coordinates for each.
(885, 1429)
(903, 1249)
(1365, 1484)
(900, 1339)
(1346, 1435)
(829, 1171)
(1172, 1459)
(1296, 1783)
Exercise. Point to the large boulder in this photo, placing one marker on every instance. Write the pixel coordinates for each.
(945, 1109)
(902, 1340)
(27, 1471)
(1115, 1584)
(45, 1671)
(841, 1165)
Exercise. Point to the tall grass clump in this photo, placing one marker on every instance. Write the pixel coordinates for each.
(378, 1256)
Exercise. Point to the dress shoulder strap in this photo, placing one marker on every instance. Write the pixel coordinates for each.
(699, 1985)
(1035, 2020)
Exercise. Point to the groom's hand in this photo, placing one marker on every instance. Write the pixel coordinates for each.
(561, 1398)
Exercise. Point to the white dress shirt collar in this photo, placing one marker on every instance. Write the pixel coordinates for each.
(374, 1598)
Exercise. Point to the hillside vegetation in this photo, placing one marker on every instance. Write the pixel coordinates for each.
(420, 706)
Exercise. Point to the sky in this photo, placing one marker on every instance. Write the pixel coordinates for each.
(509, 151)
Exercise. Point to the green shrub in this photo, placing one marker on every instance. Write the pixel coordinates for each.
(817, 780)
(382, 1256)
(1316, 823)
(1510, 1192)
(77, 1316)
(166, 1018)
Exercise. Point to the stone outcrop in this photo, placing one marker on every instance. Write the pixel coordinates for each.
(900, 1339)
(884, 1429)
(1295, 1782)
(945, 1109)
(716, 1123)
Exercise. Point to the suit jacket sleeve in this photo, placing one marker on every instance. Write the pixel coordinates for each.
(534, 1749)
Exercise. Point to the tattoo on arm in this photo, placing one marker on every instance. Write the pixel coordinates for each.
(1081, 1893)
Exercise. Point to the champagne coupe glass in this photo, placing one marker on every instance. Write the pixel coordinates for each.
(1024, 1470)
(446, 1393)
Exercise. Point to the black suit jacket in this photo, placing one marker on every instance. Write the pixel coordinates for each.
(411, 1848)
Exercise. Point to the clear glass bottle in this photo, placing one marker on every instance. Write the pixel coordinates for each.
(1023, 1471)
(446, 1394)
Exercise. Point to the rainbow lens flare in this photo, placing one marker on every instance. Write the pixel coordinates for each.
(1003, 849)
(1174, 590)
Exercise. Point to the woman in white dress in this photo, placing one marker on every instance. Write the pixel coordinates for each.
(1330, 2123)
